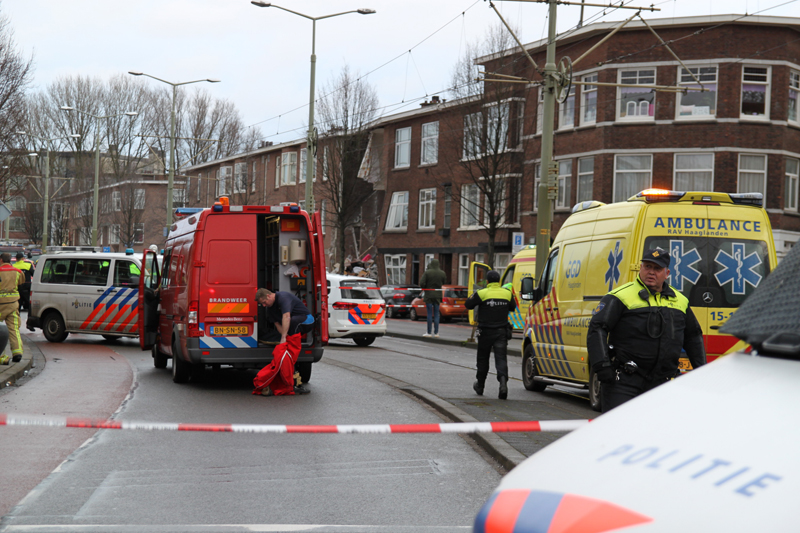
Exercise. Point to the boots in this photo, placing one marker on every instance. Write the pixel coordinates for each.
(503, 394)
(478, 387)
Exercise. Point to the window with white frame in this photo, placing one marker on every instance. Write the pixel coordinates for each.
(636, 103)
(105, 204)
(448, 205)
(85, 207)
(794, 92)
(138, 233)
(325, 163)
(116, 200)
(463, 269)
(178, 197)
(402, 148)
(697, 104)
(473, 126)
(480, 258)
(113, 234)
(138, 199)
(398, 211)
(278, 171)
(199, 184)
(427, 260)
(252, 181)
(566, 112)
(501, 261)
(540, 111)
(470, 205)
(694, 172)
(589, 100)
(240, 178)
(18, 203)
(223, 179)
(499, 195)
(792, 172)
(323, 213)
(303, 165)
(564, 183)
(752, 173)
(497, 128)
(585, 179)
(289, 168)
(427, 208)
(632, 174)
(84, 236)
(395, 269)
(520, 122)
(430, 143)
(755, 92)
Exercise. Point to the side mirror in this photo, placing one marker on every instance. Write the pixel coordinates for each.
(526, 290)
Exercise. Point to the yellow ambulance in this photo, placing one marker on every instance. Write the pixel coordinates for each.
(721, 247)
(523, 265)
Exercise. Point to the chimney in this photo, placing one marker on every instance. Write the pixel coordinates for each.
(435, 99)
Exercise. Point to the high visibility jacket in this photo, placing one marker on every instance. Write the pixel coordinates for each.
(10, 280)
(495, 304)
(26, 267)
(647, 328)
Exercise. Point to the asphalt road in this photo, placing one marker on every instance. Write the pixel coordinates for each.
(170, 481)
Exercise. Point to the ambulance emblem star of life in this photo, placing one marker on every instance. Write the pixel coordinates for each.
(738, 268)
(614, 260)
(681, 268)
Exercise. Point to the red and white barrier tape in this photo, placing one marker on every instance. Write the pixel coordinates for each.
(469, 427)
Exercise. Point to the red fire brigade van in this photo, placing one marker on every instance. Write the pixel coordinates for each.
(200, 309)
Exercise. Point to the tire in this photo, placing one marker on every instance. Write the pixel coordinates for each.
(181, 370)
(111, 338)
(305, 371)
(390, 312)
(529, 371)
(413, 314)
(594, 392)
(364, 341)
(159, 358)
(53, 327)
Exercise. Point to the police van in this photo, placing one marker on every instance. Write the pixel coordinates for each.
(85, 292)
(721, 247)
(200, 308)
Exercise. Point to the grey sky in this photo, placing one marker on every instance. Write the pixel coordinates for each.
(262, 54)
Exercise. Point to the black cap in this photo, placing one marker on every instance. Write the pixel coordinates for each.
(492, 276)
(658, 256)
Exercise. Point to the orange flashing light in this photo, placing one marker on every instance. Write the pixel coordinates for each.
(655, 192)
(223, 200)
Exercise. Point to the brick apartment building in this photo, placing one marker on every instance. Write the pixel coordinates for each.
(740, 135)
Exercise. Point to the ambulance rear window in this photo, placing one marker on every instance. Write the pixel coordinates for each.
(360, 290)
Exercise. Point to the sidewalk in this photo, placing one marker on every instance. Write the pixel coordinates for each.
(13, 372)
(455, 333)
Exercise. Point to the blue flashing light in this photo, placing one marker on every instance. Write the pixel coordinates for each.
(217, 208)
(294, 209)
(128, 251)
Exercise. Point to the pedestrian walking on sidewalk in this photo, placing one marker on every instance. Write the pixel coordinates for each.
(494, 303)
(432, 280)
(637, 333)
(10, 281)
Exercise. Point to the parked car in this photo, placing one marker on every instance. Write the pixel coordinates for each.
(452, 306)
(398, 299)
(356, 309)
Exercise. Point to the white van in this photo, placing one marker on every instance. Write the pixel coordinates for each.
(356, 309)
(95, 293)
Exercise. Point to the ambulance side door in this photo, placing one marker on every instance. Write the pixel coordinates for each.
(547, 348)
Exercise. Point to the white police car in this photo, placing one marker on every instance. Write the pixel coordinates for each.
(356, 309)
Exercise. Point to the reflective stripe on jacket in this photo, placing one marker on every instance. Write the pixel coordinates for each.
(26, 267)
(495, 304)
(10, 280)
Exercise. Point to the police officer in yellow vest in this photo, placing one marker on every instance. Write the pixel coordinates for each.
(637, 333)
(28, 269)
(494, 303)
(10, 280)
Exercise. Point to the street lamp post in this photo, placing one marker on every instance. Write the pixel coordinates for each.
(46, 199)
(96, 197)
(311, 141)
(171, 178)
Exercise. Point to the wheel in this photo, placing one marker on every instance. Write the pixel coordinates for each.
(305, 371)
(529, 371)
(159, 358)
(181, 370)
(413, 314)
(111, 338)
(594, 392)
(364, 341)
(390, 312)
(53, 327)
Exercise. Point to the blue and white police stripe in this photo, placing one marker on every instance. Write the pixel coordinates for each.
(229, 342)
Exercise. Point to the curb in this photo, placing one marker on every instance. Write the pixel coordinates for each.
(450, 342)
(497, 448)
(14, 371)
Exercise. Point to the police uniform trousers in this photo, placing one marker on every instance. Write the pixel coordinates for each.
(9, 313)
(25, 296)
(627, 387)
(488, 339)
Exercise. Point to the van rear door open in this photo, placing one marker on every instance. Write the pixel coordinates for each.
(148, 307)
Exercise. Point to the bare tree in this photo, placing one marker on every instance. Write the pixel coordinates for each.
(483, 146)
(346, 110)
